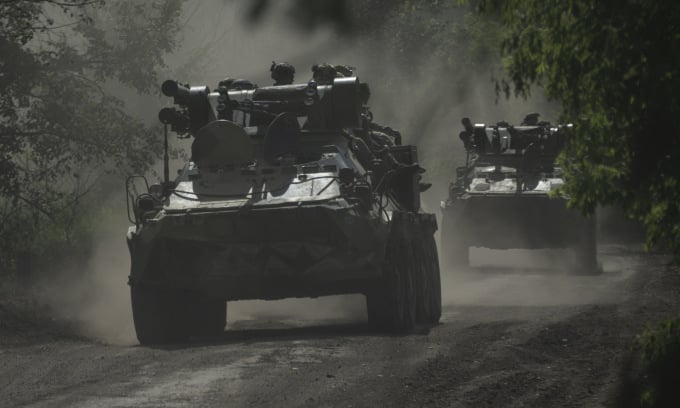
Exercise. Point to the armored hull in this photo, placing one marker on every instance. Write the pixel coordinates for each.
(287, 246)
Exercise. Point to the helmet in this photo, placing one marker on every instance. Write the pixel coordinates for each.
(324, 74)
(242, 85)
(283, 73)
(345, 70)
(226, 83)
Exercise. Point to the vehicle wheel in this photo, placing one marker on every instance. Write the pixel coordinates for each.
(586, 251)
(209, 317)
(391, 302)
(160, 315)
(428, 286)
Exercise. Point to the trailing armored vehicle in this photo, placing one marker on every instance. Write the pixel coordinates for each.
(500, 198)
(291, 191)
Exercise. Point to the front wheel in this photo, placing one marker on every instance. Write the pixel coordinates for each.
(428, 286)
(160, 315)
(391, 301)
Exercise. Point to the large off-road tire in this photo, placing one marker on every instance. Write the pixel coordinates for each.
(160, 315)
(391, 301)
(209, 317)
(428, 284)
(586, 251)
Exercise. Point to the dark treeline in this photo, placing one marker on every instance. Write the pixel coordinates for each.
(64, 129)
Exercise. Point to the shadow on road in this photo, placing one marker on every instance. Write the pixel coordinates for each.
(262, 334)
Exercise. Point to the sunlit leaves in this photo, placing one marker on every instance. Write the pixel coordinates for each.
(613, 65)
(61, 127)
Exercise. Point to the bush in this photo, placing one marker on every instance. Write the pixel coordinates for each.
(661, 359)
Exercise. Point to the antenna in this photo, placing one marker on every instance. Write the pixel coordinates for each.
(166, 158)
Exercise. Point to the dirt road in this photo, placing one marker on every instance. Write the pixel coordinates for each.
(508, 337)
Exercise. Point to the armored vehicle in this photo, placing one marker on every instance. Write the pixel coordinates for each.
(501, 197)
(291, 191)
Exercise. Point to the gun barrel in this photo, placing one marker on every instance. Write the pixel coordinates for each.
(167, 115)
(174, 89)
(170, 116)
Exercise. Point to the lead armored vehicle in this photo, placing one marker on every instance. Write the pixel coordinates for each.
(501, 197)
(291, 191)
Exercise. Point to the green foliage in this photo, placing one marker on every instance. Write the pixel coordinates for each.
(614, 67)
(661, 357)
(62, 126)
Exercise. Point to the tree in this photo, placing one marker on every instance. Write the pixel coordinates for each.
(615, 68)
(63, 124)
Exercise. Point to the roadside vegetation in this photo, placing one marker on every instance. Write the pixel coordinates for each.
(661, 362)
(67, 131)
(613, 68)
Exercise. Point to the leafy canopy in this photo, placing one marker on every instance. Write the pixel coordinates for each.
(615, 67)
(64, 70)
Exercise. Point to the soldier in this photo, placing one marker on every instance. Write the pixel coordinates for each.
(344, 70)
(530, 119)
(226, 83)
(242, 85)
(236, 84)
(381, 136)
(324, 74)
(283, 73)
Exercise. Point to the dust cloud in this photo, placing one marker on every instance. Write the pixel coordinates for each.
(532, 278)
(106, 313)
(95, 298)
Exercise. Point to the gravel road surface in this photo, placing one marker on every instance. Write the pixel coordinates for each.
(512, 337)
